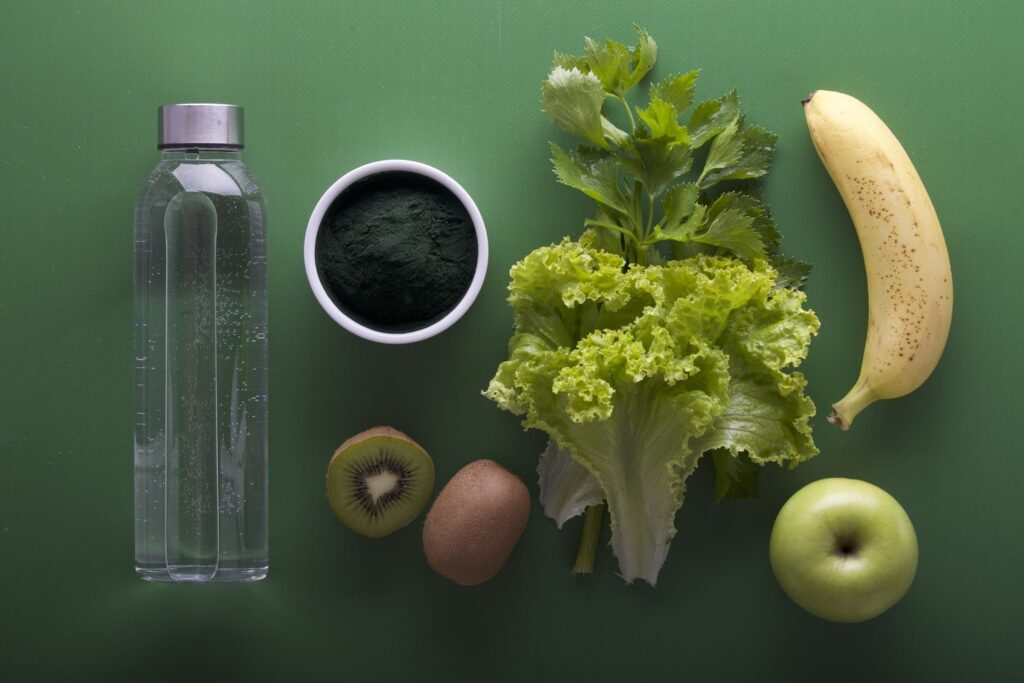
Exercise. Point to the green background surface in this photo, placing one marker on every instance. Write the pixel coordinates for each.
(331, 85)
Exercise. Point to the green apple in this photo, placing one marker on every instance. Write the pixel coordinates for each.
(843, 549)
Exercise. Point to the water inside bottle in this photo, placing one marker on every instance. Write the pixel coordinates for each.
(200, 373)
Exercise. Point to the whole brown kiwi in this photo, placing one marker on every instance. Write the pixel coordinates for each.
(475, 522)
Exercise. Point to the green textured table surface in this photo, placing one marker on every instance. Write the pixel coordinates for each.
(331, 85)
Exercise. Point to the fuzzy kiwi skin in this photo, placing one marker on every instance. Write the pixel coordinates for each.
(475, 523)
(370, 433)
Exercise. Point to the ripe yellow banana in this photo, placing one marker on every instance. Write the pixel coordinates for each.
(910, 287)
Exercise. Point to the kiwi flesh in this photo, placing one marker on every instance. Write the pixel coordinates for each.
(378, 481)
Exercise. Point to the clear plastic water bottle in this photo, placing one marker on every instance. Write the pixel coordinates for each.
(200, 355)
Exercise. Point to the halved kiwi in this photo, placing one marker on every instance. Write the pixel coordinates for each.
(378, 481)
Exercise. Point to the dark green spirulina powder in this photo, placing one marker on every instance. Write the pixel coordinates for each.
(396, 251)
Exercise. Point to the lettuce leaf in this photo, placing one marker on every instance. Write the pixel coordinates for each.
(567, 488)
(636, 372)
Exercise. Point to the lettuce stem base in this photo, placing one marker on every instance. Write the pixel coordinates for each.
(589, 538)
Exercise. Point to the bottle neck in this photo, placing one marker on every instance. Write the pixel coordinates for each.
(193, 154)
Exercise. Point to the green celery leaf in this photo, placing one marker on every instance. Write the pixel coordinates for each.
(643, 57)
(684, 231)
(677, 90)
(613, 132)
(570, 62)
(682, 248)
(733, 230)
(735, 475)
(726, 151)
(594, 175)
(765, 226)
(712, 117)
(679, 203)
(610, 63)
(662, 119)
(654, 162)
(590, 154)
(747, 154)
(567, 488)
(758, 151)
(792, 273)
(742, 202)
(683, 215)
(573, 100)
(750, 205)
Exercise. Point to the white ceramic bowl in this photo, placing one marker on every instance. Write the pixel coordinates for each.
(313, 227)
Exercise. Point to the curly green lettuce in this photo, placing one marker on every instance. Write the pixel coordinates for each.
(635, 373)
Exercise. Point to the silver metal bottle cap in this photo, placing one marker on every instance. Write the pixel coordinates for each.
(200, 125)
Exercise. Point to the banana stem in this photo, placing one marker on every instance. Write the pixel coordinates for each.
(859, 398)
(589, 538)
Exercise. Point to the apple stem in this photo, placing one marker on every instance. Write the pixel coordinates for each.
(589, 537)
